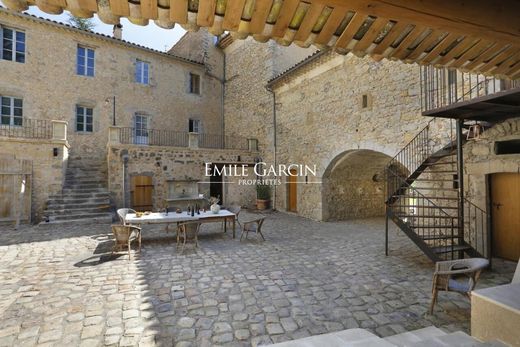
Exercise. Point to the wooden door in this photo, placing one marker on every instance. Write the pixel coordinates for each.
(142, 192)
(292, 192)
(505, 209)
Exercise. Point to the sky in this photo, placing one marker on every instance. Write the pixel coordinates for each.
(150, 36)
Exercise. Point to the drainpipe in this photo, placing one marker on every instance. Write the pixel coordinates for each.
(270, 90)
(125, 181)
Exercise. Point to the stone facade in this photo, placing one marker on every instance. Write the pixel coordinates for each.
(167, 165)
(322, 121)
(51, 89)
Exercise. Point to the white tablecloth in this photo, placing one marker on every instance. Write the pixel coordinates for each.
(174, 217)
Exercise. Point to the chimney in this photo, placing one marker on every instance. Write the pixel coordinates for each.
(118, 31)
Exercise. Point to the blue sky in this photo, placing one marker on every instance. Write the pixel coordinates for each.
(149, 36)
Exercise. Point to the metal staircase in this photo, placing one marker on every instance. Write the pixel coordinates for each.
(424, 196)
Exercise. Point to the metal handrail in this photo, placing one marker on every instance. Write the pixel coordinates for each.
(29, 128)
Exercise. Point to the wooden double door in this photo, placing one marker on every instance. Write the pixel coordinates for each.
(292, 192)
(505, 213)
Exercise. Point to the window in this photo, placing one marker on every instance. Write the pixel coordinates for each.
(13, 45)
(194, 83)
(12, 110)
(141, 129)
(194, 126)
(83, 118)
(85, 61)
(141, 71)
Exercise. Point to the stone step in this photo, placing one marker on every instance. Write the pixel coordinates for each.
(409, 337)
(95, 209)
(82, 216)
(80, 195)
(87, 179)
(83, 190)
(456, 339)
(345, 338)
(87, 203)
(84, 186)
(81, 221)
(60, 200)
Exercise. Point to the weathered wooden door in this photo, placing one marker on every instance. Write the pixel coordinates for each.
(15, 190)
(505, 205)
(142, 192)
(292, 192)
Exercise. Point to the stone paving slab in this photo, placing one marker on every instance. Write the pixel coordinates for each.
(60, 286)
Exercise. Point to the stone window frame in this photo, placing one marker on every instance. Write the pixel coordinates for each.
(11, 108)
(86, 59)
(139, 76)
(191, 90)
(85, 116)
(15, 41)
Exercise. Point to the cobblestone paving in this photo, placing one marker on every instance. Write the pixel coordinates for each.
(59, 286)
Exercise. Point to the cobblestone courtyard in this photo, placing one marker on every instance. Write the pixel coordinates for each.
(60, 286)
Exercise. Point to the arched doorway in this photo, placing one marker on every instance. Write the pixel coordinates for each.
(354, 185)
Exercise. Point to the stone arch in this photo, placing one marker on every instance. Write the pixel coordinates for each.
(354, 185)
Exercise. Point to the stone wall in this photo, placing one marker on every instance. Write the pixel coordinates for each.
(48, 172)
(320, 117)
(50, 87)
(480, 159)
(166, 164)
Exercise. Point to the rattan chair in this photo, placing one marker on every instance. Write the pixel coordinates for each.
(122, 212)
(124, 235)
(253, 226)
(236, 210)
(456, 276)
(187, 231)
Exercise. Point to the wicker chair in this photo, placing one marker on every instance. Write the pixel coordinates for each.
(254, 226)
(236, 210)
(188, 231)
(124, 235)
(122, 212)
(456, 276)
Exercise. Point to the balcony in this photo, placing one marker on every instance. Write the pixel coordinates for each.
(170, 138)
(460, 95)
(28, 128)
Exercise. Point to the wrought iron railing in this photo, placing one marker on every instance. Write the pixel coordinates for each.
(433, 225)
(153, 137)
(476, 228)
(223, 142)
(28, 128)
(432, 138)
(441, 87)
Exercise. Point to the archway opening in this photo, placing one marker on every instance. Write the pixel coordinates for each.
(354, 185)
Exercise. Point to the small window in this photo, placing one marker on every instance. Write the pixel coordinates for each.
(142, 69)
(194, 126)
(194, 83)
(13, 44)
(11, 112)
(85, 61)
(364, 101)
(84, 119)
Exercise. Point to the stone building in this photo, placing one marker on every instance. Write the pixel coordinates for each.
(63, 89)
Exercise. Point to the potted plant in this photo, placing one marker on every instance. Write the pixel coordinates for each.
(263, 196)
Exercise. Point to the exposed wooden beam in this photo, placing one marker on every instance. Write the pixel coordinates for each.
(308, 22)
(260, 14)
(179, 11)
(149, 9)
(331, 26)
(495, 20)
(234, 9)
(206, 13)
(285, 16)
(371, 34)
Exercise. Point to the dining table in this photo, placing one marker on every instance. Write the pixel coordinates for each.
(175, 217)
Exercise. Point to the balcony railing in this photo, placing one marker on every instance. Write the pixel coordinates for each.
(153, 137)
(158, 137)
(28, 128)
(441, 87)
(223, 142)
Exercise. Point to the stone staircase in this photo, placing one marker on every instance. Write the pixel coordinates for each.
(84, 195)
(430, 336)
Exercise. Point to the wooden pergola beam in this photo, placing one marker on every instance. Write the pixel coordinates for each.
(496, 20)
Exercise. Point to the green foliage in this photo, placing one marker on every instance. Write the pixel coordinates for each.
(81, 23)
(263, 192)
